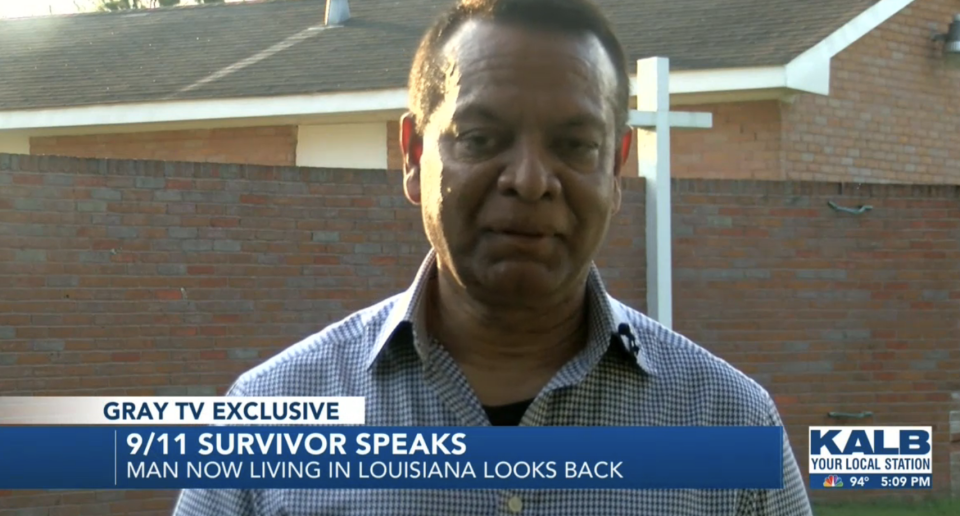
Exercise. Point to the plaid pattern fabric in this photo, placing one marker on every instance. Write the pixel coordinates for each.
(643, 377)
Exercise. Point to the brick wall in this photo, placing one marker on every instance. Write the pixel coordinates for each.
(832, 312)
(894, 110)
(745, 142)
(247, 145)
(142, 278)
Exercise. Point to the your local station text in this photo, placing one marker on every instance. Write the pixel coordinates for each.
(846, 464)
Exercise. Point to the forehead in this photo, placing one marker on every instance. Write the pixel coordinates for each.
(485, 57)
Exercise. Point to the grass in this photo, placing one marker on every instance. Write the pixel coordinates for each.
(890, 508)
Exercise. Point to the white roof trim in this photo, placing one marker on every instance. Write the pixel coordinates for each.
(684, 82)
(216, 109)
(808, 72)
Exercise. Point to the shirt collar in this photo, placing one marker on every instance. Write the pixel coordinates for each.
(612, 316)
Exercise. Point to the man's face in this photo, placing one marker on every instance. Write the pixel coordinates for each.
(518, 177)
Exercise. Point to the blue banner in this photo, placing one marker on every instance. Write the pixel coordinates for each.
(321, 457)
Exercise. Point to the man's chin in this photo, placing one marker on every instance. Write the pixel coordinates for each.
(521, 281)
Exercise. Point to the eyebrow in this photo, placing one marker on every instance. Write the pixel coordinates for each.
(479, 111)
(585, 120)
(487, 114)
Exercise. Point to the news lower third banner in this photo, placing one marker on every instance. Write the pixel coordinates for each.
(321, 443)
(127, 457)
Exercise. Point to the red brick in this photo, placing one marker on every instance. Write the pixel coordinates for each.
(221, 222)
(125, 357)
(183, 331)
(179, 184)
(28, 179)
(169, 295)
(254, 199)
(258, 146)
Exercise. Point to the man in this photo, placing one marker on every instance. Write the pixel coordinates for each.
(513, 150)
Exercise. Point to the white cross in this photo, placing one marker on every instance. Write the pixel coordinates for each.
(653, 121)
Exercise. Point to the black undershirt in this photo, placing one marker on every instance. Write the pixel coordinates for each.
(507, 415)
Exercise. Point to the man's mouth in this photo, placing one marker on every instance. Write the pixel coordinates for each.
(523, 233)
(532, 231)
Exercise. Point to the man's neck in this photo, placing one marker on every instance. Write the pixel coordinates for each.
(498, 344)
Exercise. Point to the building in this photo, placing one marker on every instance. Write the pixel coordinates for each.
(840, 90)
(169, 279)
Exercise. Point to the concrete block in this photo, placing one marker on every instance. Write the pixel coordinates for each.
(150, 182)
(47, 345)
(196, 245)
(230, 246)
(91, 205)
(30, 255)
(63, 281)
(326, 236)
(106, 194)
(242, 354)
(182, 232)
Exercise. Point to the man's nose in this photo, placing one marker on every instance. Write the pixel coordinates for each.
(529, 175)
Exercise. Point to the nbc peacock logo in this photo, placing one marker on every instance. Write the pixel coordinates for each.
(833, 481)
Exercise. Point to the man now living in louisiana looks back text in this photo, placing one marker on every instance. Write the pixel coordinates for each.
(513, 150)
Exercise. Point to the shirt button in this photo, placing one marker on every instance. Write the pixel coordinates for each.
(515, 504)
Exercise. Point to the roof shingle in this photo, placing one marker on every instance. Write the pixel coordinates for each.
(268, 48)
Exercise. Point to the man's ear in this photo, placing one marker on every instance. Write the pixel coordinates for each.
(626, 143)
(411, 146)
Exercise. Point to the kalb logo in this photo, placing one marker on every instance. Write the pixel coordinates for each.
(840, 450)
(870, 441)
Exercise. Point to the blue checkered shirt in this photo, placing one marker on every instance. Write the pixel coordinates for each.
(381, 353)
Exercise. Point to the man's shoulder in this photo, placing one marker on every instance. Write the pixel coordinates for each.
(311, 365)
(685, 368)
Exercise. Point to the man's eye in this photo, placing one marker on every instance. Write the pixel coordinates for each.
(576, 146)
(477, 143)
